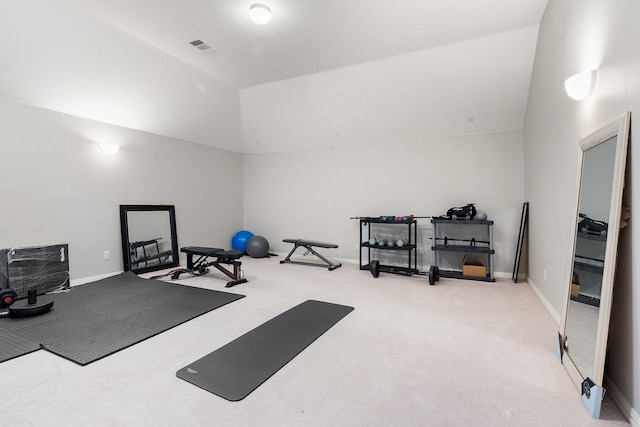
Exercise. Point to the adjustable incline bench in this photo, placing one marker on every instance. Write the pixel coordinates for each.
(199, 266)
(308, 245)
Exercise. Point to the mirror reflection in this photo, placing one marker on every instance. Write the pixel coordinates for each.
(582, 345)
(594, 204)
(149, 240)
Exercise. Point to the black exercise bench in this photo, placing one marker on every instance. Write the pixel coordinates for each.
(309, 245)
(199, 266)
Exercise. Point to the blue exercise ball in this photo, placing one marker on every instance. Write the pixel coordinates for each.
(257, 247)
(240, 239)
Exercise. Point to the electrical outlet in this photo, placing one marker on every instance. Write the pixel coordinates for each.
(107, 255)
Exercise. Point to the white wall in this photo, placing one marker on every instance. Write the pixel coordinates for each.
(312, 194)
(577, 35)
(58, 187)
(412, 97)
(390, 137)
(56, 56)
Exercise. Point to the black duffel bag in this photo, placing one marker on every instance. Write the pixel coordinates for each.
(462, 212)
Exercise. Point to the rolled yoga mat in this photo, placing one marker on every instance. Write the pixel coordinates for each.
(239, 367)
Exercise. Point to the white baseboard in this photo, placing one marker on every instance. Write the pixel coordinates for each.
(616, 396)
(557, 316)
(76, 282)
(634, 418)
(622, 403)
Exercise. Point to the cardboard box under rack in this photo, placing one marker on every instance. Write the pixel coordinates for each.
(472, 267)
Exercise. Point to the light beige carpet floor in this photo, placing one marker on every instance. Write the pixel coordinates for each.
(460, 353)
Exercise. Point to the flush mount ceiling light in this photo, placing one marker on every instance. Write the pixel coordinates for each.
(110, 149)
(260, 14)
(581, 85)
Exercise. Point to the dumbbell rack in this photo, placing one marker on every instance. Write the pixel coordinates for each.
(368, 251)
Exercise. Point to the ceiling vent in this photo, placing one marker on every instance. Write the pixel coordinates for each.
(203, 46)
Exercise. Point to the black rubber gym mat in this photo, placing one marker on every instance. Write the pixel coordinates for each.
(236, 369)
(100, 318)
(12, 345)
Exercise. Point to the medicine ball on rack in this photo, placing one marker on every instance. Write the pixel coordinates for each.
(481, 216)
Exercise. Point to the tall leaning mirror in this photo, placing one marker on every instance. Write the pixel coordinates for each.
(582, 344)
(149, 240)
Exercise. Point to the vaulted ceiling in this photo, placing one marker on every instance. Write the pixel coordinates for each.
(130, 62)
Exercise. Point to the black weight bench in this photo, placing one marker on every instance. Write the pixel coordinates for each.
(222, 257)
(309, 245)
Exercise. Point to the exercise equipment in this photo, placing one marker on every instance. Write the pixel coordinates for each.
(7, 297)
(97, 319)
(462, 212)
(31, 306)
(374, 265)
(257, 247)
(452, 235)
(592, 226)
(434, 272)
(222, 258)
(473, 242)
(523, 227)
(45, 268)
(388, 218)
(309, 245)
(234, 370)
(240, 239)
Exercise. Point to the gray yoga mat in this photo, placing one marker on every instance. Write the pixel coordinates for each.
(239, 367)
(100, 318)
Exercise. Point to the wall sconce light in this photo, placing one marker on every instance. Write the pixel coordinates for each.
(110, 149)
(260, 14)
(581, 85)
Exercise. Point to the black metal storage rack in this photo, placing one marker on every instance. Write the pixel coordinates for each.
(589, 259)
(463, 246)
(410, 248)
(590, 263)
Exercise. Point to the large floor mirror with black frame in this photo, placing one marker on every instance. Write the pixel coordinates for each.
(149, 240)
(582, 344)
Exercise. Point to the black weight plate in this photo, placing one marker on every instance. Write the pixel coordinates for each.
(27, 310)
(433, 275)
(7, 297)
(375, 268)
